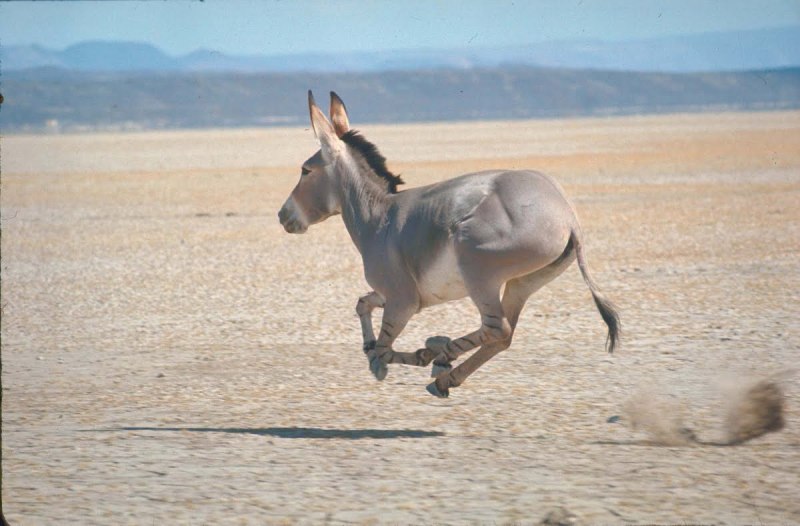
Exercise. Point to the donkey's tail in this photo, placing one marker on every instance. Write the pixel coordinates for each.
(606, 308)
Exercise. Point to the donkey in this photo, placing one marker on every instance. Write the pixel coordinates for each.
(496, 236)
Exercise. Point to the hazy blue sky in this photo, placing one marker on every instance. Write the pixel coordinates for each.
(285, 27)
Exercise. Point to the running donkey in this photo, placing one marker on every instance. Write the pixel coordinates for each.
(471, 235)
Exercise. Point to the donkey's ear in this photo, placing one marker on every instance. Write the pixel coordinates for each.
(323, 129)
(339, 115)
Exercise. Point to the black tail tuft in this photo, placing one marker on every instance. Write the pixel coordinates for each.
(610, 316)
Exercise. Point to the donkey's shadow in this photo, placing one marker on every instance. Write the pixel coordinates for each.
(300, 432)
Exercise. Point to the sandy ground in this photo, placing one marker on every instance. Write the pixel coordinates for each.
(171, 356)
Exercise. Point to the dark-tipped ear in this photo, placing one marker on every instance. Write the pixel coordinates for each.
(339, 115)
(323, 129)
(311, 104)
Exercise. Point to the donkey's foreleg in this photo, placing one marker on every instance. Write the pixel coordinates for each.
(366, 304)
(395, 318)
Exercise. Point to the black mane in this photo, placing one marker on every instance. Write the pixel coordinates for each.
(373, 158)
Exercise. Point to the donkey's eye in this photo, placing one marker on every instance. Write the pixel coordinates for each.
(305, 171)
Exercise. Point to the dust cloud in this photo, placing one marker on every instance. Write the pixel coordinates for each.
(753, 407)
(660, 417)
(756, 410)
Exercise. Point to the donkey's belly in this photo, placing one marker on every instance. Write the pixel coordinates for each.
(441, 281)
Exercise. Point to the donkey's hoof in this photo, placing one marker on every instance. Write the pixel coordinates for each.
(437, 343)
(378, 368)
(434, 390)
(439, 368)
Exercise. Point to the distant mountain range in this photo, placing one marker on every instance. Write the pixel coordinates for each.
(729, 51)
(55, 100)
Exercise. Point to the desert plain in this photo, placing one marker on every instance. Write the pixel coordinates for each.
(171, 356)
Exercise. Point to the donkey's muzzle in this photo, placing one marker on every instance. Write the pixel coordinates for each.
(289, 220)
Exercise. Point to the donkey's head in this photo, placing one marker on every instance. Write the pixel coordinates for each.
(318, 195)
(314, 199)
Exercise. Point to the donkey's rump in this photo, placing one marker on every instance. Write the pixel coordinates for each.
(522, 225)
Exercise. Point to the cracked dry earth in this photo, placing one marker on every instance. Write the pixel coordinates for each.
(171, 356)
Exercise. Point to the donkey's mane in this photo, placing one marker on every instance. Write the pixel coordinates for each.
(373, 158)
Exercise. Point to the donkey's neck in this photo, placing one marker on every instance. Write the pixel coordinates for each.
(365, 203)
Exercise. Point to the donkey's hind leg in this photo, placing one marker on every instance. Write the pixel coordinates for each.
(517, 292)
(495, 326)
(446, 351)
